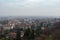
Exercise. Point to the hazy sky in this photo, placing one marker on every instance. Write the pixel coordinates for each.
(29, 7)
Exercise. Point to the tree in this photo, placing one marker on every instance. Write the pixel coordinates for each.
(33, 27)
(38, 30)
(18, 34)
(4, 22)
(27, 34)
(56, 31)
(32, 35)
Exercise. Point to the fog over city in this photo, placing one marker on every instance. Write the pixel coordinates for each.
(30, 8)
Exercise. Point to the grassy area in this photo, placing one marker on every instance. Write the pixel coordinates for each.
(5, 39)
(2, 39)
(49, 38)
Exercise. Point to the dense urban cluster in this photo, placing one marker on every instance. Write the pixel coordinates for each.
(27, 28)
